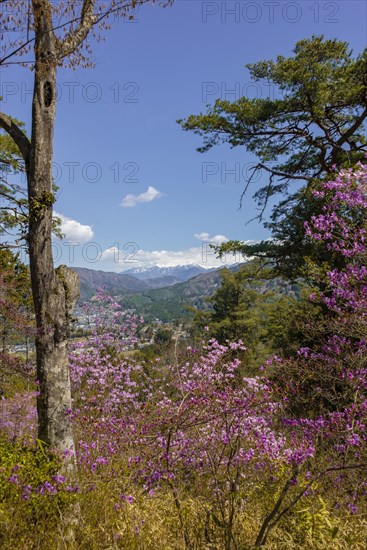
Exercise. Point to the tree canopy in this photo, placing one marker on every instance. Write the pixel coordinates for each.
(253, 306)
(315, 122)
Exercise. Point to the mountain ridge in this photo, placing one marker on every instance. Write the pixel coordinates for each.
(135, 280)
(182, 272)
(164, 298)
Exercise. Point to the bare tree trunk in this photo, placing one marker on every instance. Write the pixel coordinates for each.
(55, 292)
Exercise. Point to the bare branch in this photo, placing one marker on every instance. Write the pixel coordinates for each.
(283, 175)
(89, 19)
(344, 137)
(76, 38)
(273, 518)
(14, 52)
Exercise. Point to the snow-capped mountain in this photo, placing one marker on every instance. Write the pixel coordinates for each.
(180, 272)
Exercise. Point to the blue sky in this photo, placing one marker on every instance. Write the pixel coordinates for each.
(133, 189)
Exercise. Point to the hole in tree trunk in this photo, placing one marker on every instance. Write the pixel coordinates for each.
(47, 93)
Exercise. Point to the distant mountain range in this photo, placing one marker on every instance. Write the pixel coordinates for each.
(170, 303)
(180, 272)
(134, 279)
(163, 293)
(116, 283)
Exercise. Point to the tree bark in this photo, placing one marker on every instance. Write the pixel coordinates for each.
(55, 292)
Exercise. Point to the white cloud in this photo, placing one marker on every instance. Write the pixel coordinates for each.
(112, 253)
(120, 260)
(149, 195)
(74, 230)
(216, 239)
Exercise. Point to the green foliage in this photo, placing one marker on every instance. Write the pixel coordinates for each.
(315, 121)
(163, 337)
(252, 306)
(16, 305)
(162, 347)
(322, 106)
(16, 320)
(10, 154)
(39, 204)
(31, 465)
(16, 277)
(14, 210)
(292, 254)
(174, 302)
(105, 521)
(29, 516)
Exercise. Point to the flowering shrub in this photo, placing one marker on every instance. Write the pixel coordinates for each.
(207, 446)
(18, 417)
(334, 373)
(326, 386)
(193, 428)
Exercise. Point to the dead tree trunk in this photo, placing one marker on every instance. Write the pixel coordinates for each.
(55, 292)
